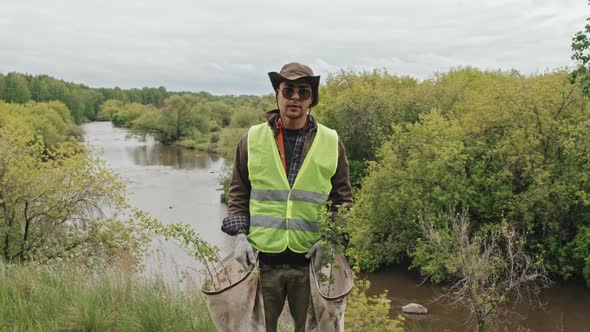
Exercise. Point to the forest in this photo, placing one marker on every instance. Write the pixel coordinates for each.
(502, 145)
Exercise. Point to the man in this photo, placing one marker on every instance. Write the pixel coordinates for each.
(284, 172)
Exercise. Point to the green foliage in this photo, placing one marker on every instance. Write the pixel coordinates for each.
(503, 145)
(16, 88)
(108, 109)
(246, 118)
(581, 54)
(370, 313)
(580, 248)
(183, 118)
(51, 202)
(82, 102)
(38, 298)
(358, 170)
(198, 121)
(179, 118)
(219, 111)
(214, 138)
(228, 141)
(362, 108)
(145, 96)
(2, 86)
(363, 313)
(125, 115)
(52, 120)
(188, 239)
(430, 261)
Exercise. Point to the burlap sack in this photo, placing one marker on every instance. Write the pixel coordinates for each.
(328, 297)
(234, 299)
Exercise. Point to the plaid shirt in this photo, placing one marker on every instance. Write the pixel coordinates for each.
(297, 152)
(240, 224)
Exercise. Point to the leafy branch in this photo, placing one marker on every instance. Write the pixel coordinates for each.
(186, 236)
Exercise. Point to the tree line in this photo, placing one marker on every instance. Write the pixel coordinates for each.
(195, 120)
(188, 119)
(82, 101)
(504, 146)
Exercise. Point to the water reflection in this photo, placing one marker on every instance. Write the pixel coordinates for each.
(566, 306)
(172, 184)
(179, 158)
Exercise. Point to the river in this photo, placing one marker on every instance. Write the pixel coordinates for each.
(180, 185)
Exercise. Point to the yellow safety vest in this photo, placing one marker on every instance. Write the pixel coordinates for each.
(281, 216)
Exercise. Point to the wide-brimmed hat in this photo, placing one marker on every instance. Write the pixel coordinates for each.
(294, 71)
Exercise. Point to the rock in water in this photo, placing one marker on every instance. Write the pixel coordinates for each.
(414, 308)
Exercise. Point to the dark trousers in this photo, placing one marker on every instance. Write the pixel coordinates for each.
(280, 282)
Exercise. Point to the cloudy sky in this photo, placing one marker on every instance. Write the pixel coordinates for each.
(227, 47)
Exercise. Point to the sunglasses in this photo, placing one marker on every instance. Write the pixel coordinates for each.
(304, 94)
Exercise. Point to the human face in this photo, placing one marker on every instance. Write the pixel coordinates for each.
(294, 110)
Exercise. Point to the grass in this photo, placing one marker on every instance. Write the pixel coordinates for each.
(38, 298)
(41, 298)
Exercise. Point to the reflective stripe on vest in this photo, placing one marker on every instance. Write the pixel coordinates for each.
(281, 216)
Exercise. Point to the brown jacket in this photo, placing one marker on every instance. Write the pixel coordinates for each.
(239, 189)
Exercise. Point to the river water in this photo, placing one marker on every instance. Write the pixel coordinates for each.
(180, 185)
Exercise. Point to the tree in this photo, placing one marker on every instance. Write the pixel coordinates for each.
(92, 101)
(245, 117)
(218, 111)
(128, 113)
(581, 54)
(51, 203)
(39, 89)
(51, 120)
(17, 88)
(57, 89)
(489, 269)
(363, 107)
(420, 168)
(2, 86)
(73, 101)
(108, 109)
(179, 118)
(502, 146)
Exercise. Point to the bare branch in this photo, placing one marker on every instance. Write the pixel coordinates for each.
(492, 269)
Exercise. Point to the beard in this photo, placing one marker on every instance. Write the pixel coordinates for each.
(295, 115)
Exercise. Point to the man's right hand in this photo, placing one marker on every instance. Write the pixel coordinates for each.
(243, 252)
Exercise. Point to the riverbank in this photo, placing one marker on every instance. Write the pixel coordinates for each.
(177, 184)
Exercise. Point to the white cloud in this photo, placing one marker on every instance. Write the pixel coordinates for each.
(229, 46)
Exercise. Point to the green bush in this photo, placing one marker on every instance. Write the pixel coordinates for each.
(498, 144)
(370, 313)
